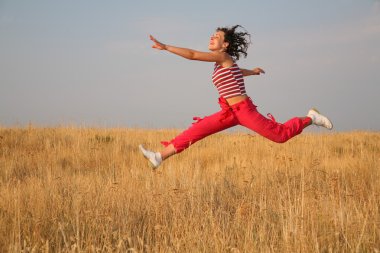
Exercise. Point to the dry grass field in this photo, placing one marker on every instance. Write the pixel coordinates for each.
(90, 190)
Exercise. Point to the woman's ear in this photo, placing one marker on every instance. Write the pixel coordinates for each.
(225, 45)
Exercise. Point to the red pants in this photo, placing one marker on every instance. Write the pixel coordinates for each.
(243, 113)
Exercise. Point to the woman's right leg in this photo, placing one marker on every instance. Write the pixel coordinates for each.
(202, 128)
(168, 151)
(199, 130)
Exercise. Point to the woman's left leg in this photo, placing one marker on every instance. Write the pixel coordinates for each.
(249, 117)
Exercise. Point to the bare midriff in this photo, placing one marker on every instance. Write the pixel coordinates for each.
(236, 99)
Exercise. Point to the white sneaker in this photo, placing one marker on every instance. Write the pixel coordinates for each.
(318, 119)
(155, 159)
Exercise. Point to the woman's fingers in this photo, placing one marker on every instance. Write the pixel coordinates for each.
(157, 44)
(258, 71)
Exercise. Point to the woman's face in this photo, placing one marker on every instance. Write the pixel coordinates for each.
(217, 42)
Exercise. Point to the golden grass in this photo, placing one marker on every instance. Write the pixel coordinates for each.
(89, 190)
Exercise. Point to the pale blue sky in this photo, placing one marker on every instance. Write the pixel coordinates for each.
(90, 63)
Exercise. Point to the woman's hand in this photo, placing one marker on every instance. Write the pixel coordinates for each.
(257, 71)
(158, 45)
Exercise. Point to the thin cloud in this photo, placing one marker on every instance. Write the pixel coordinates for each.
(365, 29)
(159, 24)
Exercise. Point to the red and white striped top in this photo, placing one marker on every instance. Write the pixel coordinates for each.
(229, 81)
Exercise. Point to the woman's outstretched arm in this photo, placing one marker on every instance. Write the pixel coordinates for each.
(251, 72)
(191, 54)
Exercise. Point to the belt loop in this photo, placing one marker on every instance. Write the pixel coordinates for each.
(271, 117)
(226, 109)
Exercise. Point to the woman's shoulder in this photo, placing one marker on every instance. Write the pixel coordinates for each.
(228, 65)
(226, 61)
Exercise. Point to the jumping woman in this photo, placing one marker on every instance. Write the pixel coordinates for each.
(226, 46)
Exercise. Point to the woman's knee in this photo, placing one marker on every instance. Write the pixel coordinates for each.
(280, 139)
(277, 138)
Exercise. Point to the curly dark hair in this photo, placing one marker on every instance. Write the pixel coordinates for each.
(238, 42)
